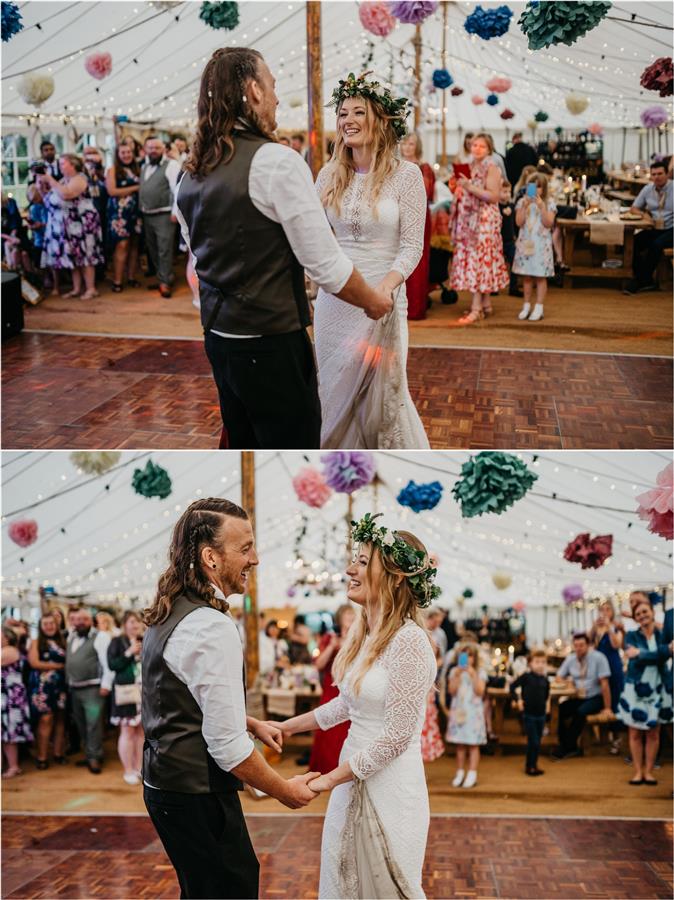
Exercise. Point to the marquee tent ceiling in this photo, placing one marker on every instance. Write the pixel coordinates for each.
(157, 63)
(114, 542)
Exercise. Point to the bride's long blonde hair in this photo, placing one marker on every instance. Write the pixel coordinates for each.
(340, 170)
(395, 603)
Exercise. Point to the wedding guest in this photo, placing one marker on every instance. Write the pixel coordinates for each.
(588, 672)
(94, 169)
(105, 623)
(531, 692)
(328, 744)
(179, 149)
(518, 156)
(124, 655)
(15, 243)
(646, 702)
(158, 181)
(47, 690)
(434, 617)
(507, 210)
(465, 154)
(297, 143)
(47, 162)
(124, 219)
(520, 188)
(16, 728)
(417, 284)
(57, 613)
(272, 647)
(432, 745)
(73, 238)
(534, 257)
(607, 636)
(37, 222)
(478, 265)
(655, 204)
(466, 726)
(300, 638)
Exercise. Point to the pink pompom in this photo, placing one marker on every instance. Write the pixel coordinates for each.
(519, 606)
(311, 488)
(376, 18)
(476, 100)
(657, 505)
(595, 128)
(98, 65)
(23, 532)
(499, 85)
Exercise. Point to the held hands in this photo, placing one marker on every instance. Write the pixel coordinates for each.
(299, 793)
(322, 783)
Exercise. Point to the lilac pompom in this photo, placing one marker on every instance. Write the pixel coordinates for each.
(412, 13)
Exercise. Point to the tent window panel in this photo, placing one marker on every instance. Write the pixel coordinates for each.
(8, 147)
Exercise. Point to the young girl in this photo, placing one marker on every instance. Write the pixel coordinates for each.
(534, 258)
(466, 728)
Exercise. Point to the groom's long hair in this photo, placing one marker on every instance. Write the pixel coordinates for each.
(199, 526)
(396, 604)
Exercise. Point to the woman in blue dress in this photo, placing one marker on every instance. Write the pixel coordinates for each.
(124, 219)
(607, 635)
(645, 702)
(47, 688)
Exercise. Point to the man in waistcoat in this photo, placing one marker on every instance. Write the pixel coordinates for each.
(198, 747)
(158, 179)
(252, 221)
(89, 681)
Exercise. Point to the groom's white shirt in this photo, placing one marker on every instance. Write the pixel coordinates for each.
(281, 187)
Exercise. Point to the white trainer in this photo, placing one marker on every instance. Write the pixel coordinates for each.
(537, 313)
(471, 779)
(524, 312)
(131, 778)
(458, 778)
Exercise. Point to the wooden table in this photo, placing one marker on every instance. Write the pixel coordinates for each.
(634, 184)
(499, 697)
(284, 702)
(571, 228)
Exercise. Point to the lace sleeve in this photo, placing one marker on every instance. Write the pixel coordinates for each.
(412, 202)
(330, 714)
(409, 661)
(321, 181)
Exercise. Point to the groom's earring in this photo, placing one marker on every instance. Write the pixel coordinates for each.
(215, 565)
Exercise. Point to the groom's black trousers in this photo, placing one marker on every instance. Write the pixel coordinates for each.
(206, 839)
(268, 390)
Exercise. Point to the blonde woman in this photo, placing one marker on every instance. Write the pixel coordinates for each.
(376, 204)
(374, 836)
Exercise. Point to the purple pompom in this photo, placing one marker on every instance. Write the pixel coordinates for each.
(348, 470)
(654, 116)
(412, 13)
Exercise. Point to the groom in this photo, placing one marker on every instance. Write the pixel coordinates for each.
(198, 748)
(249, 213)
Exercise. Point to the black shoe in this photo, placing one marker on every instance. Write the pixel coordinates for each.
(448, 297)
(41, 764)
(94, 766)
(535, 771)
(632, 287)
(645, 288)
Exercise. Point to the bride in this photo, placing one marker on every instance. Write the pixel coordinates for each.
(374, 837)
(376, 204)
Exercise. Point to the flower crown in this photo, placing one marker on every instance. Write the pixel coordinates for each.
(397, 108)
(414, 563)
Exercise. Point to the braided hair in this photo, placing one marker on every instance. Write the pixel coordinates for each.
(198, 527)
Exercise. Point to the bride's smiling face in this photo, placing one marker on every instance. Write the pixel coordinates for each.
(361, 573)
(353, 122)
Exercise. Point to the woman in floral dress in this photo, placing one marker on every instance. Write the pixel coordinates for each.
(73, 238)
(15, 714)
(124, 219)
(47, 687)
(478, 265)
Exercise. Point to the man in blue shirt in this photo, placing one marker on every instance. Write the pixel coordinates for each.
(655, 204)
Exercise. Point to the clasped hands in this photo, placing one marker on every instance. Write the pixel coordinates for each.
(271, 735)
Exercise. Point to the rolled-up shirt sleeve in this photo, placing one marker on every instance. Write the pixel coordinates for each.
(206, 655)
(281, 187)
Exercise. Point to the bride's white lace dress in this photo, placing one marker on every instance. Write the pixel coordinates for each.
(383, 748)
(362, 364)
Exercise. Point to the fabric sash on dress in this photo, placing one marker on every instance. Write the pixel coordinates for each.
(366, 867)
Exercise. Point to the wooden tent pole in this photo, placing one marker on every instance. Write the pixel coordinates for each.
(417, 77)
(250, 617)
(443, 158)
(315, 87)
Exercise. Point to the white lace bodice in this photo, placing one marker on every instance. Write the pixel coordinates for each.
(387, 715)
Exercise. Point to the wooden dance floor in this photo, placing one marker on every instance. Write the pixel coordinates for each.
(120, 857)
(63, 391)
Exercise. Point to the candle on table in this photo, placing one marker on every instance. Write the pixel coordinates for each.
(584, 183)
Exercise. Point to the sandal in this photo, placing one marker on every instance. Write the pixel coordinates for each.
(71, 295)
(470, 318)
(487, 311)
(12, 773)
(89, 295)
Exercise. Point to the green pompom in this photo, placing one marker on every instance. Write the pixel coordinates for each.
(491, 482)
(560, 22)
(220, 15)
(152, 481)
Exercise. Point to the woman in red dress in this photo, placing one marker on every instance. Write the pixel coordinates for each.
(328, 744)
(417, 284)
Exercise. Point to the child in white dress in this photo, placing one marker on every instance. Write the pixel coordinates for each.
(534, 257)
(466, 727)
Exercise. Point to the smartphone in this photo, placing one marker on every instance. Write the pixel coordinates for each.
(532, 190)
(463, 660)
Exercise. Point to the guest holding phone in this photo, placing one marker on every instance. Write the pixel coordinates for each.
(466, 728)
(534, 257)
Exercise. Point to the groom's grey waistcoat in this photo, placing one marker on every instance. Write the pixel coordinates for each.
(249, 279)
(175, 756)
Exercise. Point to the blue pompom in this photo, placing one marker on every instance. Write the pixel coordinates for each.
(488, 23)
(420, 496)
(11, 21)
(442, 79)
(638, 715)
(492, 99)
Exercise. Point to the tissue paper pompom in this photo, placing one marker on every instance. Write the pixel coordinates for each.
(152, 481)
(519, 606)
(456, 91)
(576, 103)
(491, 482)
(346, 471)
(11, 21)
(164, 5)
(659, 76)
(23, 532)
(98, 65)
(421, 496)
(560, 22)
(95, 462)
(499, 85)
(595, 128)
(653, 116)
(442, 79)
(412, 12)
(657, 505)
(591, 553)
(533, 124)
(572, 593)
(468, 593)
(488, 23)
(541, 116)
(492, 99)
(476, 100)
(507, 114)
(311, 488)
(34, 89)
(220, 15)
(376, 18)
(501, 580)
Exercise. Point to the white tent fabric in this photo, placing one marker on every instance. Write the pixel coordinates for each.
(158, 61)
(112, 544)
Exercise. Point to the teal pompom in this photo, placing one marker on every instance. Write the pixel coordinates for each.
(152, 481)
(491, 482)
(220, 15)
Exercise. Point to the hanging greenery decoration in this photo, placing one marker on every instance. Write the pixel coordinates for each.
(492, 99)
(491, 482)
(23, 532)
(346, 471)
(35, 88)
(507, 114)
(442, 79)
(488, 23)
(456, 91)
(560, 22)
(420, 496)
(412, 12)
(591, 553)
(11, 21)
(220, 15)
(95, 462)
(152, 481)
(311, 488)
(658, 77)
(541, 116)
(654, 116)
(576, 103)
(376, 18)
(657, 505)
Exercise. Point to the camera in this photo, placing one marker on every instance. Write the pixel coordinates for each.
(39, 168)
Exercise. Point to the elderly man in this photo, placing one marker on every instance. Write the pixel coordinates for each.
(588, 671)
(158, 181)
(655, 204)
